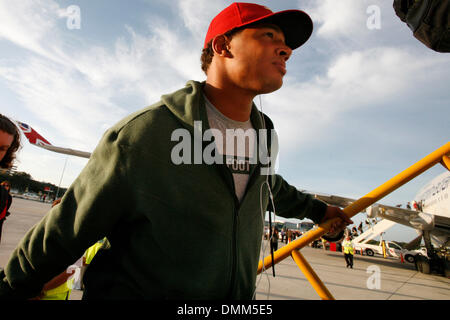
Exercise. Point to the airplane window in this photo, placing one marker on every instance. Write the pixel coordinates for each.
(434, 190)
(445, 183)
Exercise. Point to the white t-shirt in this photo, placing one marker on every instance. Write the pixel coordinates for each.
(242, 136)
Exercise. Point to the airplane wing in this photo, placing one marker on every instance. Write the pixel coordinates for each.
(68, 151)
(438, 226)
(36, 139)
(410, 218)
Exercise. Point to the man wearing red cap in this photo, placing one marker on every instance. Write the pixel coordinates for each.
(245, 53)
(180, 226)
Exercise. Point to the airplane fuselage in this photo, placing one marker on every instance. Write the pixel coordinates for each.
(434, 199)
(435, 196)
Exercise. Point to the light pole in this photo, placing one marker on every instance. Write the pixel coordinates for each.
(62, 174)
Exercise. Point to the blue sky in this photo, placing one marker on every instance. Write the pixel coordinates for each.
(358, 104)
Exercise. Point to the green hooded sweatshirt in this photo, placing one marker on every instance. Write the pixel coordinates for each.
(176, 231)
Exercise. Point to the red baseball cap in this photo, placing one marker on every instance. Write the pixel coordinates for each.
(296, 25)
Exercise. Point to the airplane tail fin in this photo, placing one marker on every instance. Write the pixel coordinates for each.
(39, 141)
(32, 135)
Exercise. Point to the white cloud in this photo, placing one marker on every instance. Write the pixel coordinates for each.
(75, 95)
(148, 65)
(339, 17)
(53, 94)
(80, 90)
(198, 14)
(33, 26)
(355, 80)
(177, 53)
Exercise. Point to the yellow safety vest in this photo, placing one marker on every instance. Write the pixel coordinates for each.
(92, 251)
(63, 291)
(59, 293)
(348, 247)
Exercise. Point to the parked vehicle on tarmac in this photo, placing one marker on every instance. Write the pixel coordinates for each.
(392, 250)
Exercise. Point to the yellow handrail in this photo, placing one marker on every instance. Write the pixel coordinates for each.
(311, 276)
(440, 155)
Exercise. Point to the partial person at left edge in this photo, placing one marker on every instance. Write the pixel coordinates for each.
(9, 144)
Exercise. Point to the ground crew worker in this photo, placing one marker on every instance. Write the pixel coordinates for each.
(324, 244)
(60, 287)
(349, 250)
(90, 254)
(274, 239)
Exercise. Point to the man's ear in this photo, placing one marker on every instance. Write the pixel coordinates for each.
(220, 46)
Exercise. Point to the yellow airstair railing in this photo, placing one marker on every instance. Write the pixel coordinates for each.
(441, 155)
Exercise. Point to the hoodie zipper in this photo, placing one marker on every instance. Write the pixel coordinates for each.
(234, 231)
(228, 176)
(234, 249)
(237, 205)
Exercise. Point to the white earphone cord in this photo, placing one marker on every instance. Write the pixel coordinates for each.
(264, 245)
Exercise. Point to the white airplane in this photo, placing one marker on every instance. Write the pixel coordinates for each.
(431, 217)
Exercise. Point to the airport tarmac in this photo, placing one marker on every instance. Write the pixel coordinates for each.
(372, 278)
